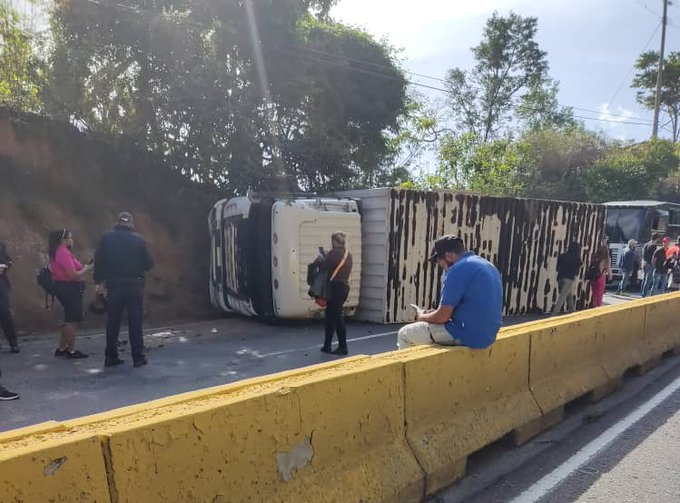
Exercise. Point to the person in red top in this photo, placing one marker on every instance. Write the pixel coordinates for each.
(68, 275)
(672, 250)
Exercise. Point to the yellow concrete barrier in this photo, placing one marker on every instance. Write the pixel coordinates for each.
(332, 432)
(335, 435)
(65, 470)
(622, 328)
(389, 428)
(31, 431)
(567, 361)
(662, 317)
(460, 400)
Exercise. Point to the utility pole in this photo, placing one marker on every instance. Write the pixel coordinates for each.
(659, 75)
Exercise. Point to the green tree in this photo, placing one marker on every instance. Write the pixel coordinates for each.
(645, 83)
(631, 172)
(554, 161)
(489, 168)
(233, 94)
(21, 70)
(509, 83)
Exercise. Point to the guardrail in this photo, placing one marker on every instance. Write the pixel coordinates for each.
(390, 428)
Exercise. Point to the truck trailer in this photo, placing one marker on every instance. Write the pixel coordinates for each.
(261, 247)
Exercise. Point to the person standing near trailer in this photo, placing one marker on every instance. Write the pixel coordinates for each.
(568, 266)
(599, 272)
(338, 265)
(627, 264)
(662, 265)
(647, 265)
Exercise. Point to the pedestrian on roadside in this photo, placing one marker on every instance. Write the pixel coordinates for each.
(601, 262)
(121, 261)
(69, 276)
(673, 249)
(471, 304)
(647, 265)
(337, 263)
(7, 395)
(627, 264)
(6, 319)
(673, 274)
(662, 266)
(568, 266)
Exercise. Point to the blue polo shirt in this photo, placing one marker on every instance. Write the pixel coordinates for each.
(472, 286)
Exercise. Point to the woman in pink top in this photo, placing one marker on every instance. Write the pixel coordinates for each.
(597, 286)
(68, 275)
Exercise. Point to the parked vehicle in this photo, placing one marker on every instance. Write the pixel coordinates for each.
(638, 220)
(261, 246)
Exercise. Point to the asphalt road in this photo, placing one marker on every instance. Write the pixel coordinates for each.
(625, 448)
(181, 358)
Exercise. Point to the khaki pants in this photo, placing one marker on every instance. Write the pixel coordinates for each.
(420, 333)
(566, 295)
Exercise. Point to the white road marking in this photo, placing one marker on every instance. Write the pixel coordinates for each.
(548, 483)
(308, 348)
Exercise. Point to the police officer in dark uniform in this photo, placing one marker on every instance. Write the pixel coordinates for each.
(120, 263)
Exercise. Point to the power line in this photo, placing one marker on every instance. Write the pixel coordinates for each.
(448, 92)
(600, 112)
(612, 121)
(335, 55)
(632, 68)
(647, 8)
(371, 63)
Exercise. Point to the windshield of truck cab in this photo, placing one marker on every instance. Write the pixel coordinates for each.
(624, 224)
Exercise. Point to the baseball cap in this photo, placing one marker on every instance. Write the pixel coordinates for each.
(125, 218)
(446, 244)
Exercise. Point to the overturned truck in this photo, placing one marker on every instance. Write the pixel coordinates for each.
(261, 246)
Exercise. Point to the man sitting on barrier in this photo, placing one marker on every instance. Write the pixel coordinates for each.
(471, 305)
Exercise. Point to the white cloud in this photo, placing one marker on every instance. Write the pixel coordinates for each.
(619, 115)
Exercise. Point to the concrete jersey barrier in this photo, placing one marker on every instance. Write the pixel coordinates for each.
(389, 428)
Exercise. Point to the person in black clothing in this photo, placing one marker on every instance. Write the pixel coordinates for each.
(647, 265)
(338, 264)
(6, 320)
(120, 263)
(568, 266)
(662, 266)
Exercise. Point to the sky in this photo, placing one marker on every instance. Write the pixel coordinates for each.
(592, 46)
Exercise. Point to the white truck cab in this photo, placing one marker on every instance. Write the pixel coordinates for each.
(261, 246)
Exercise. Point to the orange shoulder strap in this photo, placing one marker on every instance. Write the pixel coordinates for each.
(340, 265)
